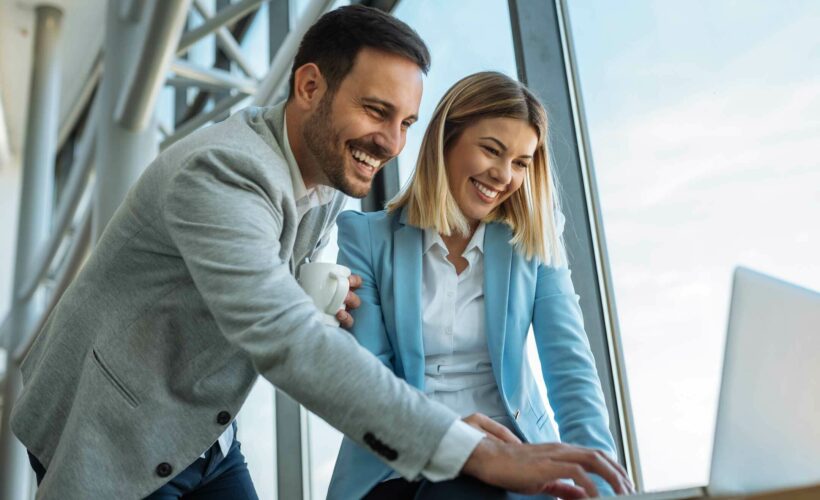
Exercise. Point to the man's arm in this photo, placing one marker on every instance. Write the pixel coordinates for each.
(226, 223)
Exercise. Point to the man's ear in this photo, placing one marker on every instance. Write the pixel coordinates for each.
(309, 87)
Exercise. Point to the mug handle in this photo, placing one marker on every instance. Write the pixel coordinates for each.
(341, 290)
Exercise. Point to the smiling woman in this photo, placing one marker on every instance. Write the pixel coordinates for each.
(455, 272)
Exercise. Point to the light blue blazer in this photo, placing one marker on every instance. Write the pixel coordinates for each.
(387, 253)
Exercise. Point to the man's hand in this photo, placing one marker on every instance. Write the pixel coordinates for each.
(539, 468)
(352, 301)
(491, 428)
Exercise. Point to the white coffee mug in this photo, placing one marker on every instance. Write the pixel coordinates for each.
(327, 284)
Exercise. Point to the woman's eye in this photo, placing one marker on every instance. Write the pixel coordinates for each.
(491, 150)
(522, 164)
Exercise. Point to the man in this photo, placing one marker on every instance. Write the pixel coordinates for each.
(189, 296)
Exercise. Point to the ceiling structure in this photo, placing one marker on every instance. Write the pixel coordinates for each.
(81, 38)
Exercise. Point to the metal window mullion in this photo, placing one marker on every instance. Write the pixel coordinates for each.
(544, 62)
(615, 341)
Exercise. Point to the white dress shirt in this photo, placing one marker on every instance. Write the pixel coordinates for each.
(457, 368)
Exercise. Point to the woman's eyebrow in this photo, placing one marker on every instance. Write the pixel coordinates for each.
(504, 147)
(500, 144)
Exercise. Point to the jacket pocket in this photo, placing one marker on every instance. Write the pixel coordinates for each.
(115, 382)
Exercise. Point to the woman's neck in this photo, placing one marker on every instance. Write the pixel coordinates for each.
(456, 243)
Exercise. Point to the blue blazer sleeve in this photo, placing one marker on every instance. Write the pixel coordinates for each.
(355, 252)
(568, 366)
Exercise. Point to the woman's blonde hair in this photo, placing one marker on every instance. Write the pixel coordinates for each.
(530, 212)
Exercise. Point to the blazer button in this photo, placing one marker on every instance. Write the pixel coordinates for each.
(223, 418)
(164, 469)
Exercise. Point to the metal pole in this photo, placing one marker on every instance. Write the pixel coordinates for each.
(122, 154)
(223, 17)
(33, 228)
(136, 106)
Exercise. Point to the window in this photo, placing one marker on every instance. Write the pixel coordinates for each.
(702, 117)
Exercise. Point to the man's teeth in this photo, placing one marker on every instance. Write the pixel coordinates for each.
(365, 158)
(489, 193)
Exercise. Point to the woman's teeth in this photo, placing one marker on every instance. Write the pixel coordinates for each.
(489, 193)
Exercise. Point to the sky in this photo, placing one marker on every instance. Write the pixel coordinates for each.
(703, 118)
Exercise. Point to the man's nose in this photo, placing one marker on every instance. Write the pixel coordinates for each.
(391, 139)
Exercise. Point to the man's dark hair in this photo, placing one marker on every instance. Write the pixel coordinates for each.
(333, 42)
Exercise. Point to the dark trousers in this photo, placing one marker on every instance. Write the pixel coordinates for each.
(211, 478)
(455, 489)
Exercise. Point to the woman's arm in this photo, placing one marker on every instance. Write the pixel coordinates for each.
(355, 252)
(567, 364)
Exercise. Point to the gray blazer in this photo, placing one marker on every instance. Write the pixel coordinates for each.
(187, 297)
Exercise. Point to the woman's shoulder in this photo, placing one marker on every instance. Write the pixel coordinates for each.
(357, 218)
(354, 222)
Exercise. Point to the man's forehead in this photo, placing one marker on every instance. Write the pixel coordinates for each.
(386, 78)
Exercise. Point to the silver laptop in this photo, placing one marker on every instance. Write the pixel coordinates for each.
(767, 435)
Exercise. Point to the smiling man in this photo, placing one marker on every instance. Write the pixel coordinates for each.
(132, 386)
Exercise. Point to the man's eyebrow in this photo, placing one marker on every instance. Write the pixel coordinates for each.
(503, 146)
(387, 105)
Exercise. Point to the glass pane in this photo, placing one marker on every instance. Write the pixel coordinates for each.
(703, 123)
(256, 431)
(450, 30)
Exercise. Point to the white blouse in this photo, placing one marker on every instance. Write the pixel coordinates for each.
(458, 371)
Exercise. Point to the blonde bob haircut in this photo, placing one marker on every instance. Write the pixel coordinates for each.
(530, 212)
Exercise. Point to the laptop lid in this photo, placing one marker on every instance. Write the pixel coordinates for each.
(767, 435)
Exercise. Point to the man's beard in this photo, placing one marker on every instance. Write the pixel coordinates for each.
(321, 139)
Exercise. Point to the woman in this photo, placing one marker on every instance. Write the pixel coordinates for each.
(459, 267)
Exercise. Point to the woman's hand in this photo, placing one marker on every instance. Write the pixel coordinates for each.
(352, 301)
(491, 428)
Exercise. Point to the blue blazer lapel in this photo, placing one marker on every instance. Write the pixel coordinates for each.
(407, 250)
(497, 267)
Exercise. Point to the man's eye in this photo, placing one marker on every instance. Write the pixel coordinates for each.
(406, 124)
(375, 111)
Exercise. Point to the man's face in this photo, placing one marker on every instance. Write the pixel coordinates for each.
(354, 132)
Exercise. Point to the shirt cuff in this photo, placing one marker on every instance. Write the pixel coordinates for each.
(453, 451)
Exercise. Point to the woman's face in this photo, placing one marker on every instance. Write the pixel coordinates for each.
(488, 162)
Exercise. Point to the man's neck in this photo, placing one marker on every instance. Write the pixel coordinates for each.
(304, 159)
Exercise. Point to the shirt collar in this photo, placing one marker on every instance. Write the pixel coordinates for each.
(432, 238)
(314, 196)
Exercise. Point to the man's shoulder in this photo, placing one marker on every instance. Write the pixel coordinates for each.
(245, 133)
(244, 143)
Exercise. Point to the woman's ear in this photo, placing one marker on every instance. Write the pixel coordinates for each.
(309, 87)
